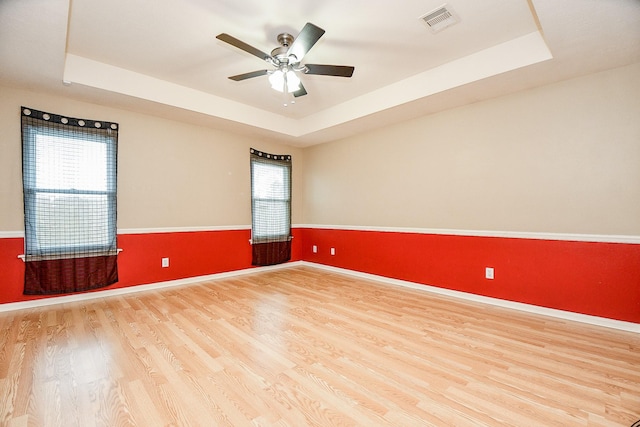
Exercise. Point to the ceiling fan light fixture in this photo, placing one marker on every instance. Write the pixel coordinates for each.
(284, 81)
(277, 80)
(293, 82)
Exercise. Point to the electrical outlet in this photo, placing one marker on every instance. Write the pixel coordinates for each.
(488, 273)
(165, 262)
(314, 249)
(333, 251)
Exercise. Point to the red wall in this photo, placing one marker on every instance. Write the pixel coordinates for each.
(599, 279)
(11, 270)
(190, 254)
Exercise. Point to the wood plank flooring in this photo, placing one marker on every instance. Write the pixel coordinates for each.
(303, 347)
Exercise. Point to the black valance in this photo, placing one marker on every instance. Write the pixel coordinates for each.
(67, 121)
(278, 157)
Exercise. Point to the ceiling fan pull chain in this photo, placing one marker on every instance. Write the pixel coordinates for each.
(289, 99)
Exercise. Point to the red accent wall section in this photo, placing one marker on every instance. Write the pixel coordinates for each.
(11, 270)
(191, 254)
(599, 279)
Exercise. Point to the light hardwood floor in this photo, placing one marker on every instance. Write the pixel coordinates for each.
(301, 346)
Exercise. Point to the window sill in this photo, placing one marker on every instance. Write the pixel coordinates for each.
(24, 257)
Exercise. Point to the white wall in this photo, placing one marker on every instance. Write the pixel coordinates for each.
(170, 174)
(563, 158)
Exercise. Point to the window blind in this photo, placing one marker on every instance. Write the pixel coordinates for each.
(271, 203)
(69, 182)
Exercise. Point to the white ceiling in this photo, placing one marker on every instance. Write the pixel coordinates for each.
(162, 57)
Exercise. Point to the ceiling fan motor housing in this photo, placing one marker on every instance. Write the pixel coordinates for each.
(280, 53)
(285, 39)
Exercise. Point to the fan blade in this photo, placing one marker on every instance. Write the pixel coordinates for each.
(309, 35)
(330, 70)
(242, 45)
(300, 92)
(250, 75)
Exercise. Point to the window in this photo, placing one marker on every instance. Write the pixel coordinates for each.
(69, 183)
(270, 200)
(68, 196)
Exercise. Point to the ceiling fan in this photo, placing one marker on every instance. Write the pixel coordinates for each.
(287, 59)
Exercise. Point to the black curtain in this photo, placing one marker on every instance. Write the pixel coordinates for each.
(69, 170)
(270, 208)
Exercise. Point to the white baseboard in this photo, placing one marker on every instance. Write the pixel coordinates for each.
(559, 314)
(529, 308)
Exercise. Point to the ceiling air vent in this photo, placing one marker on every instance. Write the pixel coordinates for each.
(440, 18)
